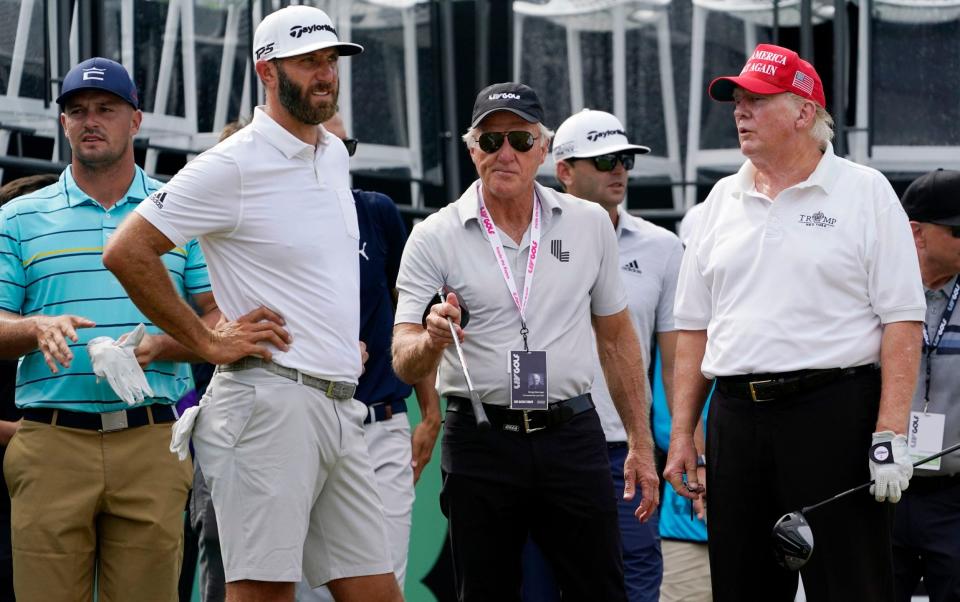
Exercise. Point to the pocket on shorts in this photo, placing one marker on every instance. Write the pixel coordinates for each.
(229, 409)
(348, 209)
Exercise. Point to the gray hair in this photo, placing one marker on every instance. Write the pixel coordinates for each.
(822, 130)
(470, 137)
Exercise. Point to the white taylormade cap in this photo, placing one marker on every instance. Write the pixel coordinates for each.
(297, 30)
(591, 134)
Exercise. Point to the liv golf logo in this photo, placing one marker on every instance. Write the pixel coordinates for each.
(818, 220)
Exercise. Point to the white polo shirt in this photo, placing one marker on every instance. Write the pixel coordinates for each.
(277, 223)
(804, 282)
(576, 275)
(649, 265)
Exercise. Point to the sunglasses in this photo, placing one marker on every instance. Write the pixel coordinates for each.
(351, 144)
(490, 142)
(609, 162)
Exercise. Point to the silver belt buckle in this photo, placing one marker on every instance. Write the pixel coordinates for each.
(113, 421)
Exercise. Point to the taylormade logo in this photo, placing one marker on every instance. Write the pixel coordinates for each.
(504, 96)
(594, 135)
(298, 30)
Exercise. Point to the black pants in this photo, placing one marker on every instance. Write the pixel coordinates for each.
(926, 538)
(554, 485)
(765, 459)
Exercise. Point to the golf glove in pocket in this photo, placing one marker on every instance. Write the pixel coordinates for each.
(117, 363)
(182, 430)
(890, 466)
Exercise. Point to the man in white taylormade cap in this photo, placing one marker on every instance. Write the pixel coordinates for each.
(593, 158)
(279, 435)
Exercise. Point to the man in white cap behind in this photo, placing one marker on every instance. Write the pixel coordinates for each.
(279, 434)
(593, 158)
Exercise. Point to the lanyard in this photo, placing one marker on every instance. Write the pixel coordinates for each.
(496, 245)
(931, 347)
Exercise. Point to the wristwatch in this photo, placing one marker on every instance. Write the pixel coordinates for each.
(701, 461)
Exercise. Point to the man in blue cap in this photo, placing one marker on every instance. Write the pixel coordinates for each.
(94, 489)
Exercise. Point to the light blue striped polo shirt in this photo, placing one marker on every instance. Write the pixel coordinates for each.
(51, 262)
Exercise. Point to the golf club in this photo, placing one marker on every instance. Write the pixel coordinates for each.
(792, 536)
(483, 423)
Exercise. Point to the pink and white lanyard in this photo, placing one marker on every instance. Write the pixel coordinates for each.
(493, 237)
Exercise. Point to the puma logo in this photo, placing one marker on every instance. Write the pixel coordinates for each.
(363, 251)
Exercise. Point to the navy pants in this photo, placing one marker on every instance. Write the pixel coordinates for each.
(554, 486)
(926, 538)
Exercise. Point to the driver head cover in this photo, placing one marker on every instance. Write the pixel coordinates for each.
(792, 541)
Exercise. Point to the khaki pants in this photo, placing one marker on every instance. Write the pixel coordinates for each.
(686, 572)
(84, 502)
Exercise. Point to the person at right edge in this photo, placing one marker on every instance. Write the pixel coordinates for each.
(800, 279)
(926, 529)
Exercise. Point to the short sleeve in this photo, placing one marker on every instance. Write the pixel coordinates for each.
(668, 291)
(693, 306)
(12, 276)
(894, 283)
(607, 295)
(203, 198)
(195, 276)
(418, 276)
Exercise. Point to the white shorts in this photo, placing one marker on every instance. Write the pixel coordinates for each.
(390, 452)
(291, 481)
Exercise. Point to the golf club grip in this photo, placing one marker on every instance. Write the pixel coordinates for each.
(483, 423)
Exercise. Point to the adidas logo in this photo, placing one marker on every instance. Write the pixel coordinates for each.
(633, 266)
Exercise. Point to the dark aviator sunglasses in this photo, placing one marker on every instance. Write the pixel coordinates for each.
(521, 141)
(351, 144)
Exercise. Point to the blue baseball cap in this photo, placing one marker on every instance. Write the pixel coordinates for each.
(99, 73)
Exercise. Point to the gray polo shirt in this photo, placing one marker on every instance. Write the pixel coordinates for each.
(649, 266)
(577, 274)
(944, 378)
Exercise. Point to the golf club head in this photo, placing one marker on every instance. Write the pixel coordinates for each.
(792, 541)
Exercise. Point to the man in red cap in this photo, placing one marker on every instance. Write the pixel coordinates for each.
(799, 281)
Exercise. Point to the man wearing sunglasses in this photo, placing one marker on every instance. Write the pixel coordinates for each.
(800, 279)
(536, 267)
(926, 532)
(593, 159)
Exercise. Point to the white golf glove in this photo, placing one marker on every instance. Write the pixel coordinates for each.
(180, 441)
(890, 466)
(117, 363)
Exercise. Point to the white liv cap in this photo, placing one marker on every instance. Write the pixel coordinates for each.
(591, 134)
(297, 30)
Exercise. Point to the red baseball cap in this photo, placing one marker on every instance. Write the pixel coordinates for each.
(772, 70)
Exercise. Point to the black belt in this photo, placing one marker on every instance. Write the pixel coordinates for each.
(526, 421)
(770, 387)
(105, 421)
(378, 412)
(920, 484)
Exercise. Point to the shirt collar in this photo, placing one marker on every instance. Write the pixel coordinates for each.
(824, 176)
(281, 138)
(468, 207)
(625, 222)
(76, 196)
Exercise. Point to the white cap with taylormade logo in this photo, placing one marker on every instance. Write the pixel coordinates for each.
(591, 134)
(297, 30)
